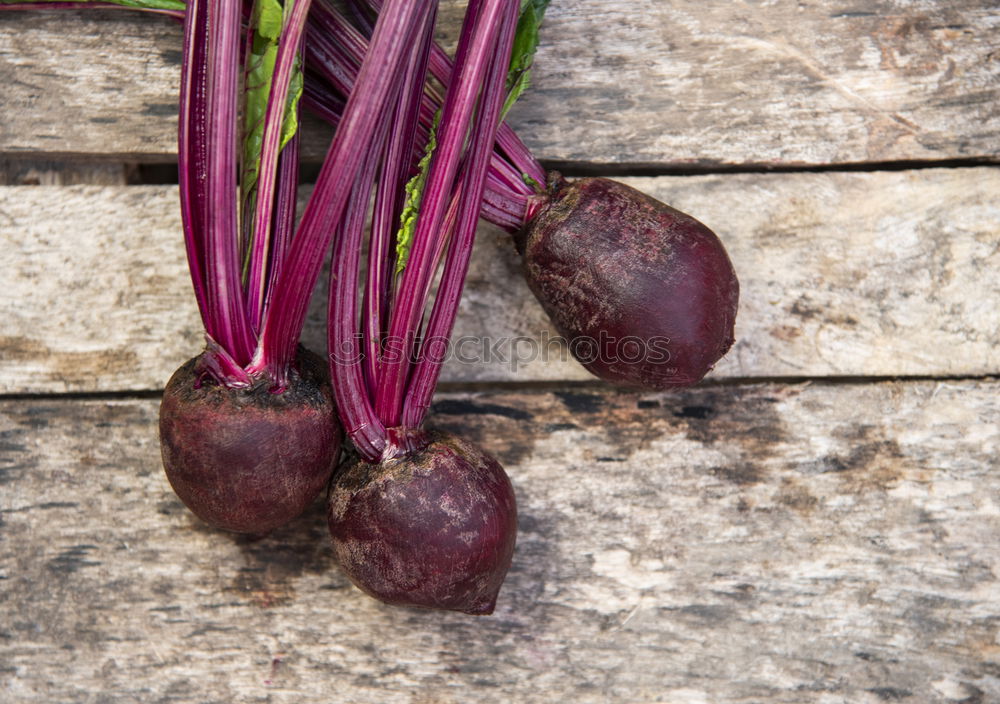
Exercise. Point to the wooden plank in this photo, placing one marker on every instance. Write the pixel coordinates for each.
(96, 84)
(645, 82)
(857, 274)
(891, 273)
(782, 82)
(731, 545)
(90, 83)
(85, 308)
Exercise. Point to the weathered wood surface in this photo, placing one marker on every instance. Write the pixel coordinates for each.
(762, 543)
(827, 543)
(891, 273)
(647, 82)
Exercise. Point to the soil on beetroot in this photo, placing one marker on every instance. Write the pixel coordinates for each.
(434, 529)
(249, 460)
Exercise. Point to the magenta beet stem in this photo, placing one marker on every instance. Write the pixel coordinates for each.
(351, 146)
(471, 66)
(442, 320)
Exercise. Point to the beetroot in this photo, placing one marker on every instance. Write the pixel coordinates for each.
(645, 294)
(433, 528)
(249, 460)
(418, 519)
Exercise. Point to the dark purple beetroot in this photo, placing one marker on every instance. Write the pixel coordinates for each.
(645, 295)
(434, 528)
(249, 460)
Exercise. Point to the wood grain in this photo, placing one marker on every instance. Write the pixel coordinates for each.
(763, 543)
(646, 82)
(882, 274)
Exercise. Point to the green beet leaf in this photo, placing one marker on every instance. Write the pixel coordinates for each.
(523, 54)
(414, 194)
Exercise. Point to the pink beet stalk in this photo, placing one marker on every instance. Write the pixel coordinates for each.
(283, 321)
(334, 50)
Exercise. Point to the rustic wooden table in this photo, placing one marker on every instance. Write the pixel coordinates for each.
(817, 522)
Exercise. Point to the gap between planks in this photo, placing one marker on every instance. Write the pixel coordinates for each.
(41, 169)
(545, 387)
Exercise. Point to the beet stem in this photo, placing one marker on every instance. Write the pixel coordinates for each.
(351, 146)
(511, 156)
(478, 37)
(191, 143)
(442, 320)
(388, 204)
(289, 48)
(285, 208)
(176, 14)
(348, 384)
(335, 48)
(219, 98)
